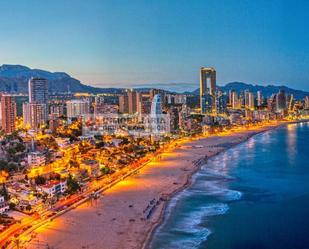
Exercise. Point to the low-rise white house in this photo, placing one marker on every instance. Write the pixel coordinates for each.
(54, 187)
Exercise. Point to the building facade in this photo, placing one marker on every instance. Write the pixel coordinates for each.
(8, 113)
(207, 89)
(34, 115)
(77, 108)
(38, 90)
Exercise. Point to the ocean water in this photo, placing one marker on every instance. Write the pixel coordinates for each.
(253, 196)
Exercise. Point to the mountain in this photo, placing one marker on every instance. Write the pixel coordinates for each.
(14, 79)
(266, 90)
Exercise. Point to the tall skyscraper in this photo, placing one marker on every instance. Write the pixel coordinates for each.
(307, 102)
(207, 80)
(290, 103)
(271, 103)
(123, 103)
(154, 92)
(281, 100)
(230, 97)
(251, 101)
(235, 100)
(159, 123)
(207, 102)
(143, 103)
(156, 105)
(260, 99)
(221, 103)
(38, 90)
(207, 87)
(246, 98)
(35, 113)
(132, 104)
(8, 113)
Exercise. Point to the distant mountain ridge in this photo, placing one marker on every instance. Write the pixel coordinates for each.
(14, 79)
(267, 91)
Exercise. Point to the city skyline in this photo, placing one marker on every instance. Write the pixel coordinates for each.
(122, 44)
(154, 124)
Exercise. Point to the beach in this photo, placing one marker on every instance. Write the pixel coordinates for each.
(126, 215)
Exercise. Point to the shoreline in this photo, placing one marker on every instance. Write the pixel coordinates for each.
(165, 178)
(149, 238)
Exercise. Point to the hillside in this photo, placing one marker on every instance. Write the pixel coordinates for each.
(14, 79)
(266, 90)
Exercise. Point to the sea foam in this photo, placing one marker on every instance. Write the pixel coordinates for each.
(189, 229)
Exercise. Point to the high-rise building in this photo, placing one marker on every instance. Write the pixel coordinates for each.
(236, 103)
(251, 101)
(38, 90)
(159, 123)
(271, 103)
(143, 103)
(34, 115)
(174, 118)
(230, 97)
(307, 102)
(291, 103)
(207, 102)
(246, 98)
(56, 110)
(207, 81)
(153, 92)
(123, 103)
(105, 109)
(207, 87)
(132, 101)
(221, 103)
(260, 99)
(281, 101)
(77, 108)
(8, 113)
(162, 93)
(156, 105)
(241, 100)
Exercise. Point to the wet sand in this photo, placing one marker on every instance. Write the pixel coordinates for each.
(125, 216)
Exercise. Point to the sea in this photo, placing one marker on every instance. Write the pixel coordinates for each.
(252, 196)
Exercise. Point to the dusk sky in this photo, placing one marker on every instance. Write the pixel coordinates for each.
(127, 42)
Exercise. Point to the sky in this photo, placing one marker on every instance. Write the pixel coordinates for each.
(130, 42)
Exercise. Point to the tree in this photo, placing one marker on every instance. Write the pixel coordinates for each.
(40, 180)
(19, 147)
(99, 144)
(12, 167)
(3, 165)
(73, 185)
(105, 170)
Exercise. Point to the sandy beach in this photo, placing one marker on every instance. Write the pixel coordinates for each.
(125, 215)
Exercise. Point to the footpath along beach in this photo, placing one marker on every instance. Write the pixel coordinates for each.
(125, 216)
